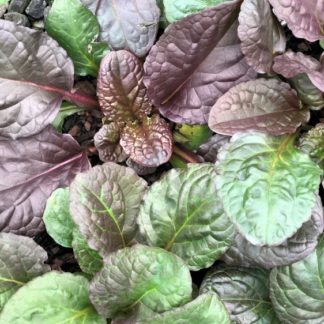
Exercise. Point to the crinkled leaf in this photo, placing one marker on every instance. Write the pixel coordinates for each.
(124, 24)
(297, 247)
(148, 143)
(188, 219)
(245, 293)
(260, 34)
(76, 29)
(312, 143)
(106, 141)
(290, 63)
(209, 150)
(30, 170)
(104, 203)
(66, 110)
(120, 89)
(57, 218)
(304, 18)
(88, 259)
(267, 186)
(297, 290)
(270, 106)
(34, 73)
(195, 61)
(52, 298)
(140, 169)
(140, 275)
(21, 260)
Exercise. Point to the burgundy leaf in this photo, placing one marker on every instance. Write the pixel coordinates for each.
(260, 34)
(120, 88)
(290, 64)
(210, 149)
(269, 106)
(305, 18)
(149, 143)
(35, 74)
(30, 170)
(195, 61)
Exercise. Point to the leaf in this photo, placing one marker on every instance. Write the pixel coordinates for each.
(261, 34)
(120, 89)
(205, 309)
(57, 218)
(66, 110)
(148, 143)
(21, 260)
(30, 170)
(267, 186)
(88, 259)
(245, 293)
(140, 275)
(297, 290)
(294, 249)
(104, 203)
(304, 18)
(124, 24)
(290, 64)
(106, 141)
(52, 298)
(194, 62)
(266, 105)
(34, 74)
(176, 10)
(182, 213)
(76, 30)
(209, 150)
(140, 169)
(312, 143)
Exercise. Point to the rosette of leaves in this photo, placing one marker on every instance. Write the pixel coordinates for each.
(131, 130)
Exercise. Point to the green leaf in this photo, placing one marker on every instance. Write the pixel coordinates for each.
(321, 42)
(268, 187)
(176, 10)
(2, 2)
(205, 309)
(52, 298)
(182, 213)
(104, 203)
(76, 29)
(297, 290)
(67, 109)
(88, 259)
(21, 260)
(57, 218)
(140, 275)
(244, 291)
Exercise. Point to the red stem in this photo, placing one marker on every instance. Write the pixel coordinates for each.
(186, 155)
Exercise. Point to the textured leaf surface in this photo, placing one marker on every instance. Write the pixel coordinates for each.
(124, 24)
(88, 259)
(21, 260)
(140, 275)
(34, 71)
(76, 30)
(30, 170)
(245, 293)
(120, 89)
(270, 106)
(297, 247)
(267, 186)
(297, 290)
(304, 18)
(104, 203)
(52, 298)
(188, 219)
(195, 61)
(209, 150)
(148, 143)
(260, 34)
(290, 63)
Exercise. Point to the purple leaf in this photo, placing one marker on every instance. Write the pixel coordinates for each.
(194, 62)
(30, 170)
(35, 74)
(210, 149)
(269, 106)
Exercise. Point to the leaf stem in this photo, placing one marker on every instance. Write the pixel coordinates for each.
(186, 155)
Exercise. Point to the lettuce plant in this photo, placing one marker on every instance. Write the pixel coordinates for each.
(205, 202)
